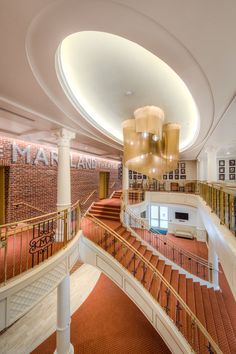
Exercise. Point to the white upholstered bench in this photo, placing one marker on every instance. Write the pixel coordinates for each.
(185, 234)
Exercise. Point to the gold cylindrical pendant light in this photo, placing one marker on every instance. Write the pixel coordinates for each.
(149, 119)
(148, 148)
(170, 145)
(134, 144)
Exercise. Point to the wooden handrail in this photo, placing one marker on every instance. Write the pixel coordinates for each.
(90, 195)
(36, 218)
(30, 206)
(167, 284)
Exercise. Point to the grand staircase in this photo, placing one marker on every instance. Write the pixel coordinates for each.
(207, 304)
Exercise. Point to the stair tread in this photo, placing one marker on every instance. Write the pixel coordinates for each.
(104, 212)
(174, 281)
(156, 281)
(106, 217)
(142, 267)
(210, 320)
(104, 206)
(226, 322)
(135, 264)
(220, 330)
(149, 273)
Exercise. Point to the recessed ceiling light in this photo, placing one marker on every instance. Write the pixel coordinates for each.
(129, 93)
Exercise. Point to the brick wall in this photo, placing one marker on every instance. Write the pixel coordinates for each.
(36, 184)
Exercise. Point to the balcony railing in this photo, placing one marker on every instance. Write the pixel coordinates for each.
(220, 198)
(27, 243)
(185, 186)
(222, 201)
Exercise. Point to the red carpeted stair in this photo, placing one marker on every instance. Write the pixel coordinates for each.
(168, 246)
(117, 195)
(208, 305)
(107, 211)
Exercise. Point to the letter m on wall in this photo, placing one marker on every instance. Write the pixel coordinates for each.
(23, 152)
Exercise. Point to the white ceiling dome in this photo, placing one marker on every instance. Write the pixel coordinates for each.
(108, 77)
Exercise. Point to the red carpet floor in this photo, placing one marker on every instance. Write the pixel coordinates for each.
(109, 323)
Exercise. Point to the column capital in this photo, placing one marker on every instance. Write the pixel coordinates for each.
(63, 136)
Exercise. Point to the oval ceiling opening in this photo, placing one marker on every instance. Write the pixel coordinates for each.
(107, 78)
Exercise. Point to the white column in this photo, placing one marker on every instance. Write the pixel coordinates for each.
(125, 187)
(213, 259)
(148, 208)
(125, 178)
(211, 165)
(200, 229)
(63, 173)
(64, 345)
(63, 179)
(200, 169)
(125, 183)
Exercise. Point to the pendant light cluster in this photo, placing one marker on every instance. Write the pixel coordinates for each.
(150, 147)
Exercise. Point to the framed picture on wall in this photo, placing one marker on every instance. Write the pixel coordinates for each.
(177, 171)
(221, 162)
(164, 176)
(221, 177)
(182, 171)
(221, 170)
(176, 176)
(232, 176)
(232, 162)
(182, 165)
(170, 176)
(183, 177)
(232, 170)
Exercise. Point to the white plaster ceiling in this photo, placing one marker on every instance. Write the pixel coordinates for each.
(108, 77)
(196, 39)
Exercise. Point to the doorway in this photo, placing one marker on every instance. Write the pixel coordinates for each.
(103, 184)
(2, 195)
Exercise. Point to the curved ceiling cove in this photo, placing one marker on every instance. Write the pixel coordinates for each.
(108, 77)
